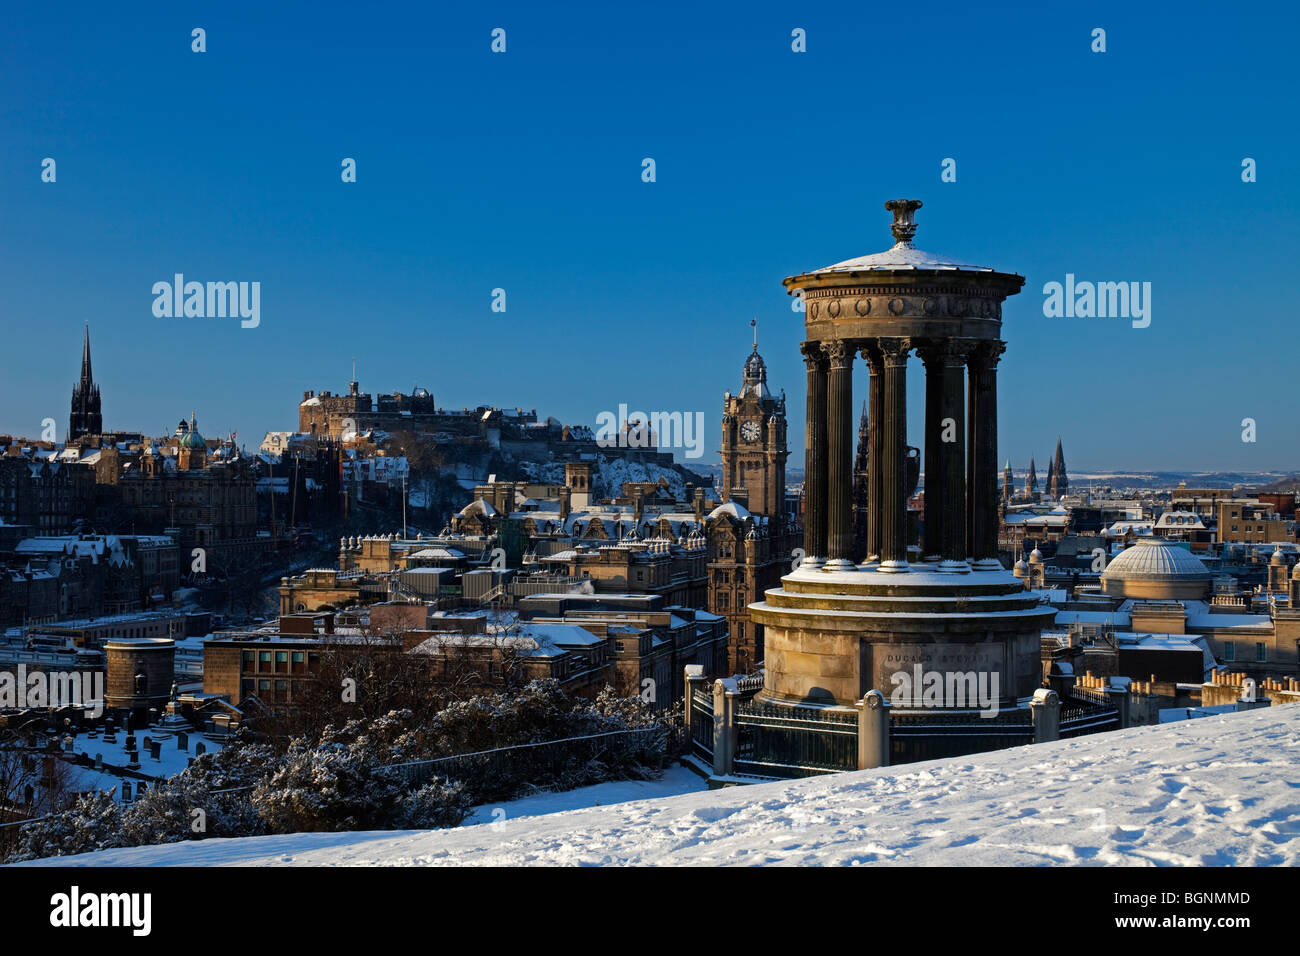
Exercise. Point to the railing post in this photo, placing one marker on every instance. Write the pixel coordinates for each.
(725, 696)
(873, 731)
(694, 678)
(1046, 711)
(1120, 700)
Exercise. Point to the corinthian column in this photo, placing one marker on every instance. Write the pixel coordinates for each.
(893, 513)
(839, 466)
(952, 463)
(875, 439)
(982, 491)
(814, 521)
(933, 357)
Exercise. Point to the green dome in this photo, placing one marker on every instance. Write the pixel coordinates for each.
(192, 438)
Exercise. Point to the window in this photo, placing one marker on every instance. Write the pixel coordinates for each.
(281, 662)
(250, 659)
(1261, 651)
(264, 660)
(299, 662)
(263, 686)
(1229, 651)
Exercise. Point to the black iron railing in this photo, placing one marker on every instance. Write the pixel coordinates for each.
(776, 741)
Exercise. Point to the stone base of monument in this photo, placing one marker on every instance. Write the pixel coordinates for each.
(953, 647)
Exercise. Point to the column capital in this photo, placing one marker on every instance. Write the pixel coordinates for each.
(814, 359)
(942, 353)
(895, 350)
(986, 354)
(838, 353)
(957, 351)
(869, 349)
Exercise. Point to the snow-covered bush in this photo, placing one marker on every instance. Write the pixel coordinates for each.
(439, 803)
(92, 823)
(348, 782)
(348, 777)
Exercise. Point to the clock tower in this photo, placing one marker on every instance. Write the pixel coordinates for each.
(753, 441)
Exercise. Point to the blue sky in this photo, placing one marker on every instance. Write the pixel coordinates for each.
(522, 171)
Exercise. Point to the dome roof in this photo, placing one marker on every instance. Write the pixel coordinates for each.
(192, 438)
(755, 376)
(902, 256)
(1155, 560)
(732, 509)
(479, 506)
(1278, 558)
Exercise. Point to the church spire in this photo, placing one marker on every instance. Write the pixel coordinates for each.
(86, 377)
(1060, 482)
(85, 417)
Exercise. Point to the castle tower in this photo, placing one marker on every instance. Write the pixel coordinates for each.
(85, 418)
(1058, 483)
(1008, 486)
(754, 441)
(1031, 480)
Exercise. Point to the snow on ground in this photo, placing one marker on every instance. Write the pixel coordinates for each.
(675, 780)
(1219, 790)
(171, 759)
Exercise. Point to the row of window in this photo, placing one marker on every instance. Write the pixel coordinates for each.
(1230, 651)
(272, 690)
(279, 662)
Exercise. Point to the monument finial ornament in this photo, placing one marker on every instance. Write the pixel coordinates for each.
(904, 210)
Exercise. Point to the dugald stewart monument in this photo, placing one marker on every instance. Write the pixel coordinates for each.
(902, 612)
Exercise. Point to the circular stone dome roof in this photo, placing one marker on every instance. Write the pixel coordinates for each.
(1156, 568)
(732, 508)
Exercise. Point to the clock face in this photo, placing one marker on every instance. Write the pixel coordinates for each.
(749, 431)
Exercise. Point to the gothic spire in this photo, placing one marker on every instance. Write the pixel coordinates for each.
(85, 418)
(86, 377)
(1060, 482)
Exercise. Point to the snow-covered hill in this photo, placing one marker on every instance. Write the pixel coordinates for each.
(1213, 791)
